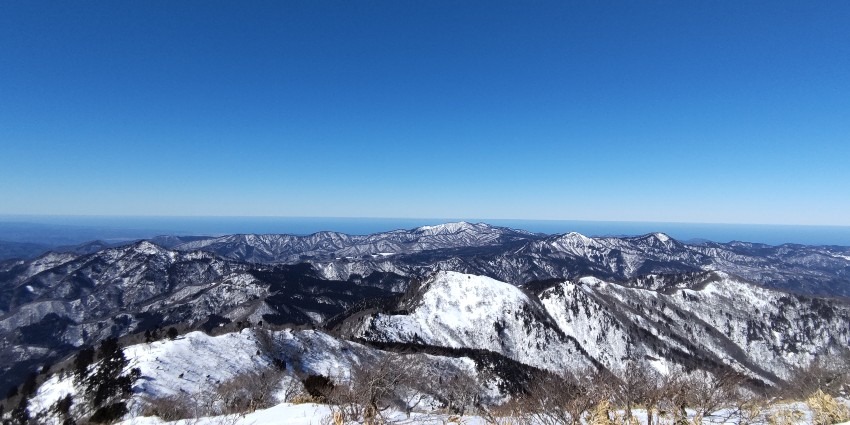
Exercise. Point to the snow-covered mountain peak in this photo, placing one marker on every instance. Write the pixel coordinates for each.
(656, 239)
(467, 288)
(576, 238)
(450, 228)
(464, 297)
(661, 236)
(590, 280)
(148, 248)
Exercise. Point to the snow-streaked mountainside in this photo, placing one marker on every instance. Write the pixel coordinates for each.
(194, 362)
(713, 319)
(708, 320)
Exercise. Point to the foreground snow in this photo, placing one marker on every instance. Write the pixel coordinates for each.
(319, 414)
(300, 414)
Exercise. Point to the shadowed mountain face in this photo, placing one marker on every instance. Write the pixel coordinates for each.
(555, 302)
(56, 303)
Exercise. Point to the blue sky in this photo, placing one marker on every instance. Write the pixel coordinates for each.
(727, 111)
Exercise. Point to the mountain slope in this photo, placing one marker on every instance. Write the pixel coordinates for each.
(52, 305)
(716, 320)
(464, 311)
(706, 321)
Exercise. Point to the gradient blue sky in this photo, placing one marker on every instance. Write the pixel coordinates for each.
(678, 111)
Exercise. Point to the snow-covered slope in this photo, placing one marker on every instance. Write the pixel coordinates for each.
(706, 321)
(465, 311)
(718, 321)
(196, 362)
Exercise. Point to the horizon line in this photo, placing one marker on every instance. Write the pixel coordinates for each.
(439, 220)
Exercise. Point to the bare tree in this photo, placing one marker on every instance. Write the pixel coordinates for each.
(249, 391)
(639, 385)
(243, 393)
(708, 393)
(562, 399)
(374, 386)
(291, 389)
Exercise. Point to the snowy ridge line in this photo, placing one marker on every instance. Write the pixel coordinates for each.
(195, 362)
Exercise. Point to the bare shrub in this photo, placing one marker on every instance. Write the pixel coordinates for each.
(373, 387)
(509, 413)
(304, 398)
(601, 414)
(553, 399)
(826, 410)
(784, 415)
(249, 391)
(243, 393)
(750, 409)
(572, 396)
(178, 406)
(460, 391)
(706, 393)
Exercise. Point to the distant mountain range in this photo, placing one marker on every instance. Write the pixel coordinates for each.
(518, 256)
(545, 301)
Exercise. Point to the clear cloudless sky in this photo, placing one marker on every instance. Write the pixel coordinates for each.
(676, 111)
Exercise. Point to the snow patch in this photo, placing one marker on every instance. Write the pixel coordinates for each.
(660, 365)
